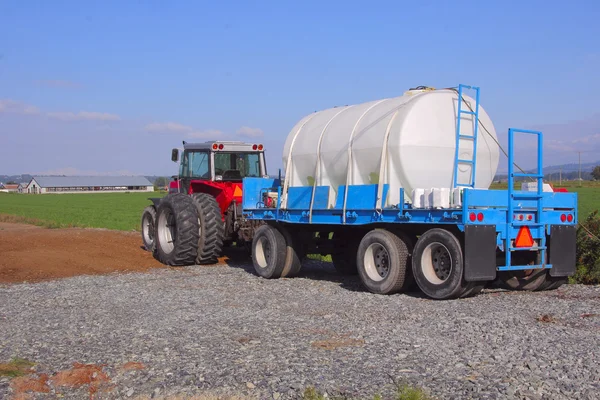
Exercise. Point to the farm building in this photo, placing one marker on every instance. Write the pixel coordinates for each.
(8, 187)
(88, 184)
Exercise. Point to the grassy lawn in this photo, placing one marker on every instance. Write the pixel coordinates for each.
(121, 211)
(588, 194)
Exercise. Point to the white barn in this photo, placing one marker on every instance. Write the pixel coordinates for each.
(88, 184)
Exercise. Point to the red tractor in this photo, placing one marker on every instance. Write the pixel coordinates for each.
(203, 211)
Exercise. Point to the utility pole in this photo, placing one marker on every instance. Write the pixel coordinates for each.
(579, 168)
(560, 177)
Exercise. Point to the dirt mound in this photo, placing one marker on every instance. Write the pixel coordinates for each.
(29, 253)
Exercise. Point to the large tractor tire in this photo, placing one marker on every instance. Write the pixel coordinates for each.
(211, 230)
(176, 230)
(438, 266)
(148, 221)
(381, 261)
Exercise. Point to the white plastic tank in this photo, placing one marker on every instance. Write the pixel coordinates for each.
(415, 133)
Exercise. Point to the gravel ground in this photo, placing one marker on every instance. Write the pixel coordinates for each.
(223, 330)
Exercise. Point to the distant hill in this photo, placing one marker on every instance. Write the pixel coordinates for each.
(568, 171)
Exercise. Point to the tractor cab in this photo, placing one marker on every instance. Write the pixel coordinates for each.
(217, 164)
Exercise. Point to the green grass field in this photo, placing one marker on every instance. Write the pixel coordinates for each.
(588, 194)
(122, 211)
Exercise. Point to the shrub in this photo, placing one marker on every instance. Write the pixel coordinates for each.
(588, 251)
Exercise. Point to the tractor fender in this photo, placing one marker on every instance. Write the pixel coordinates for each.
(155, 201)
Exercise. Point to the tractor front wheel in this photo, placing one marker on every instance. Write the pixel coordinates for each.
(148, 221)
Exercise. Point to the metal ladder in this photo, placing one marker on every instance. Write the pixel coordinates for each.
(513, 198)
(460, 136)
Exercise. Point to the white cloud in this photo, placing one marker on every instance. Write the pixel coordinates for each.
(187, 131)
(16, 107)
(83, 116)
(250, 132)
(168, 127)
(57, 83)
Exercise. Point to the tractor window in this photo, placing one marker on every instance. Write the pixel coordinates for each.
(236, 166)
(195, 164)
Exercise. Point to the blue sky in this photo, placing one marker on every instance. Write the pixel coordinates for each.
(110, 87)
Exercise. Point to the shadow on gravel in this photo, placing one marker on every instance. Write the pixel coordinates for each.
(311, 269)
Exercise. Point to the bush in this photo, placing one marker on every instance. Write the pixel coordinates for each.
(588, 251)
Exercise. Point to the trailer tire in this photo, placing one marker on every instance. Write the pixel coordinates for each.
(294, 254)
(176, 230)
(211, 230)
(438, 265)
(381, 262)
(269, 252)
(147, 225)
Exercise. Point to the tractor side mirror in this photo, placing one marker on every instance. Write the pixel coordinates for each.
(175, 155)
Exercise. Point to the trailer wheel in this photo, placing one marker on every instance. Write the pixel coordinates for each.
(438, 265)
(211, 230)
(555, 282)
(269, 252)
(529, 280)
(148, 221)
(294, 253)
(381, 262)
(176, 230)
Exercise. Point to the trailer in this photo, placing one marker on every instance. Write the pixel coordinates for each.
(448, 240)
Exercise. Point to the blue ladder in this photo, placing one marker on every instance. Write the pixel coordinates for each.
(513, 198)
(460, 136)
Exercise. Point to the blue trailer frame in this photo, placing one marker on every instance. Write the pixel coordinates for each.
(489, 220)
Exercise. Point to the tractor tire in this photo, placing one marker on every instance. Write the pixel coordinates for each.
(269, 252)
(381, 262)
(211, 230)
(438, 265)
(176, 231)
(148, 221)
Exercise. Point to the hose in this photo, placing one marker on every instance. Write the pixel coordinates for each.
(488, 132)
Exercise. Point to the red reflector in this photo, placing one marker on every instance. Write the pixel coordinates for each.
(260, 146)
(472, 217)
(254, 147)
(529, 217)
(221, 146)
(524, 238)
(215, 146)
(563, 217)
(521, 217)
(570, 218)
(480, 217)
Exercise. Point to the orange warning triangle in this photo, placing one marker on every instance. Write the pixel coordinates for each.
(524, 238)
(237, 192)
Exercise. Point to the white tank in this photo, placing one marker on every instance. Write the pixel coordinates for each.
(414, 134)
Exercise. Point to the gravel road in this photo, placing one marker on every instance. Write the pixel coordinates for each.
(223, 330)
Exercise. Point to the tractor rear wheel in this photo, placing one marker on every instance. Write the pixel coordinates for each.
(211, 230)
(148, 221)
(176, 230)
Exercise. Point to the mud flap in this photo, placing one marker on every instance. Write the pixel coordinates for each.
(561, 250)
(480, 253)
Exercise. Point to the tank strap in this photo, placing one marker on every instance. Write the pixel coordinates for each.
(349, 166)
(383, 163)
(318, 164)
(288, 168)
